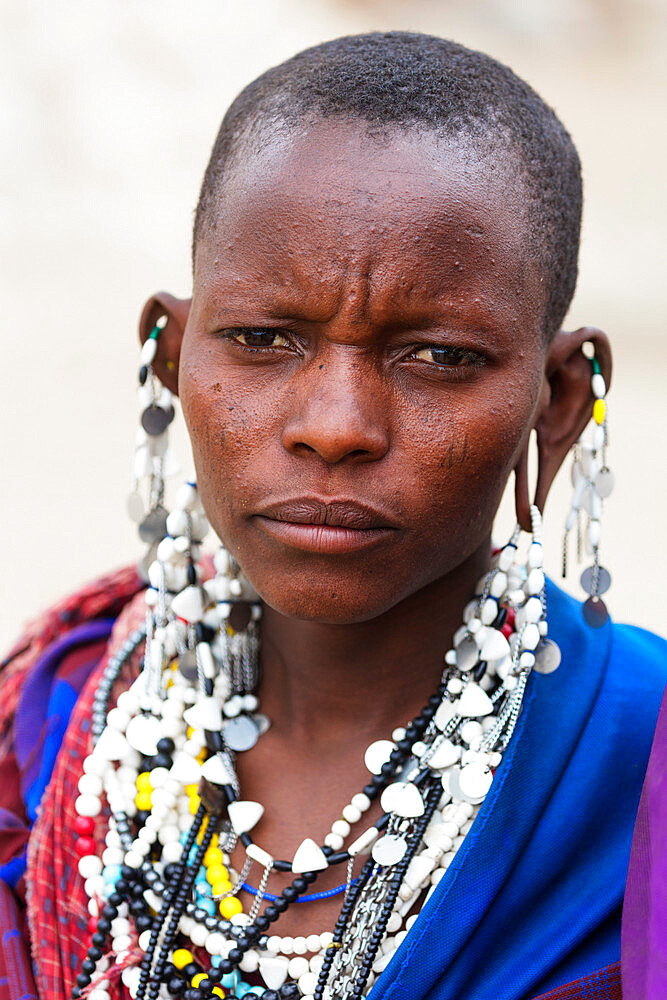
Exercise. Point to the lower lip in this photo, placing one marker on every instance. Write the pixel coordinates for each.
(323, 538)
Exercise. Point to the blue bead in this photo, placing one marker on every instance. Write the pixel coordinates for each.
(242, 989)
(208, 905)
(111, 873)
(231, 979)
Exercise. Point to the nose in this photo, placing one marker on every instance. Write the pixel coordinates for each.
(338, 413)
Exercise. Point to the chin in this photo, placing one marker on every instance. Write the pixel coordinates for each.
(346, 605)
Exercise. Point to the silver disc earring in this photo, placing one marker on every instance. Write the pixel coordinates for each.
(153, 458)
(592, 482)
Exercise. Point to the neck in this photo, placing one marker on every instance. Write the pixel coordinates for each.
(322, 681)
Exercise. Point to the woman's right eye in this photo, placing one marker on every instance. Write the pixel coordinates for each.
(257, 338)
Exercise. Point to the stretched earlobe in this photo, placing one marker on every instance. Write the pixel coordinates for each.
(170, 339)
(567, 409)
(521, 489)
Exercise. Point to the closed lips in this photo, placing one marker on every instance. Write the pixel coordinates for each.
(334, 513)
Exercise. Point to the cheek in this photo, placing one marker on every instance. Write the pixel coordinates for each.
(229, 436)
(460, 458)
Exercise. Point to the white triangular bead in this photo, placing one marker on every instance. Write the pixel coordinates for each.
(245, 815)
(185, 768)
(444, 755)
(309, 858)
(204, 714)
(273, 970)
(444, 714)
(189, 604)
(217, 772)
(474, 702)
(495, 646)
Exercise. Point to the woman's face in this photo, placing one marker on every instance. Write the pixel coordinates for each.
(362, 363)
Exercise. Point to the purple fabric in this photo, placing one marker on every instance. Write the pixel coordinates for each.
(644, 928)
(32, 710)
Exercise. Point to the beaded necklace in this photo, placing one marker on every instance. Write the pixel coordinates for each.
(170, 920)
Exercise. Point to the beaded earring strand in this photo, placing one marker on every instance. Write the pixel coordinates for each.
(163, 891)
(593, 482)
(153, 458)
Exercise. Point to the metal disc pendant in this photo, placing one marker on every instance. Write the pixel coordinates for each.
(595, 612)
(135, 506)
(155, 419)
(604, 581)
(146, 561)
(154, 526)
(467, 653)
(240, 616)
(389, 850)
(547, 657)
(474, 781)
(604, 482)
(240, 733)
(187, 664)
(263, 722)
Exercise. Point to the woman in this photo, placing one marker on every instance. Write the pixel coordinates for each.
(385, 247)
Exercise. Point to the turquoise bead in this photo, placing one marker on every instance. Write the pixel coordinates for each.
(231, 980)
(111, 873)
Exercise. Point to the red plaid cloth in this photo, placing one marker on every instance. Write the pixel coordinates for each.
(605, 984)
(57, 904)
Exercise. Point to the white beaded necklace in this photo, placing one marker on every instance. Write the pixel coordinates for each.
(196, 697)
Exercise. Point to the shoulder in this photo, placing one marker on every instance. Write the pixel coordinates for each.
(82, 618)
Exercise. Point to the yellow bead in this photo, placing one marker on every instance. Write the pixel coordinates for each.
(202, 755)
(192, 789)
(230, 906)
(214, 873)
(144, 781)
(143, 801)
(213, 857)
(189, 732)
(182, 957)
(217, 992)
(599, 411)
(196, 980)
(220, 887)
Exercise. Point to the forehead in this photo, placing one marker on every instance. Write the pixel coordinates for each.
(317, 207)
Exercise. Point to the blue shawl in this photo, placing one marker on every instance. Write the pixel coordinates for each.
(533, 897)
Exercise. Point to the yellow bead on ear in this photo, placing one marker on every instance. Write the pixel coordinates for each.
(599, 411)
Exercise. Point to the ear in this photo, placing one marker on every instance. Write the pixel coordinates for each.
(169, 342)
(566, 408)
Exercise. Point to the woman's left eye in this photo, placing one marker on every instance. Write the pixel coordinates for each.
(258, 338)
(450, 357)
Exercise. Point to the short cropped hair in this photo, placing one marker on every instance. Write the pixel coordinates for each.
(404, 80)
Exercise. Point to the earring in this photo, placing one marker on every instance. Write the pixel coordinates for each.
(593, 482)
(153, 459)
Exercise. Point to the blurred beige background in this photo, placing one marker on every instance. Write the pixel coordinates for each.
(108, 113)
